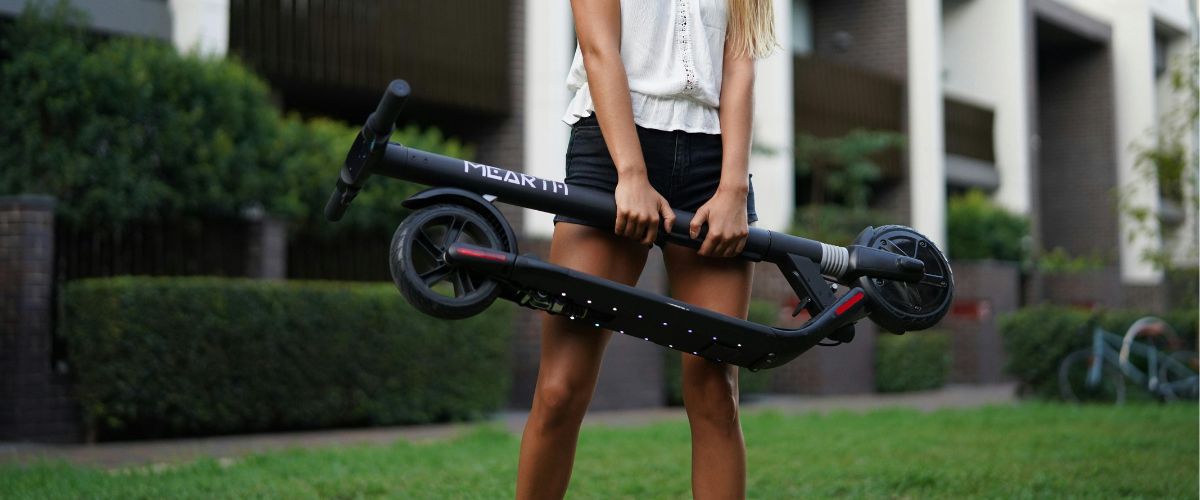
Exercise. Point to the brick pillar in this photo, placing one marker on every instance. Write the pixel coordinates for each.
(266, 256)
(34, 400)
(984, 291)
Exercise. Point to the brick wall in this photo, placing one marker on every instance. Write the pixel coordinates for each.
(867, 34)
(1077, 165)
(34, 402)
(872, 36)
(501, 141)
(1077, 174)
(984, 290)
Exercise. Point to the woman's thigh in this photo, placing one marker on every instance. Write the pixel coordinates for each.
(721, 285)
(572, 350)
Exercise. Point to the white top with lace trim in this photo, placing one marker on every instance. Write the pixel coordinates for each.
(672, 51)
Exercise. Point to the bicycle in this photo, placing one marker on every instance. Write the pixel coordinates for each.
(1099, 373)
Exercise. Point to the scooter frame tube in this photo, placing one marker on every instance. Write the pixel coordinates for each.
(517, 188)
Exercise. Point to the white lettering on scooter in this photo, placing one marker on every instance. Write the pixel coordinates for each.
(514, 177)
(553, 186)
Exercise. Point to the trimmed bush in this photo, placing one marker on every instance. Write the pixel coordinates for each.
(913, 362)
(978, 228)
(192, 356)
(749, 383)
(1036, 340)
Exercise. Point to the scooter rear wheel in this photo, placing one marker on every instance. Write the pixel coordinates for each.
(420, 270)
(900, 306)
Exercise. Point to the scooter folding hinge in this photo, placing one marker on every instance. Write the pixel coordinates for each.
(804, 276)
(800, 306)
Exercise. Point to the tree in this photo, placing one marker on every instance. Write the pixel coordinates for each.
(843, 167)
(1167, 159)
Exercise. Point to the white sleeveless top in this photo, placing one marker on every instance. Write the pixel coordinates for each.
(672, 51)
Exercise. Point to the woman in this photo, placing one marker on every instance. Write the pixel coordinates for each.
(661, 118)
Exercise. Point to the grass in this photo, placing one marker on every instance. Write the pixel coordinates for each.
(1021, 451)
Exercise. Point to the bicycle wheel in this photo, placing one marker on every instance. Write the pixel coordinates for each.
(1177, 375)
(1074, 386)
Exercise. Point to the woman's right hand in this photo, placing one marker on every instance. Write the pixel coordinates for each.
(640, 208)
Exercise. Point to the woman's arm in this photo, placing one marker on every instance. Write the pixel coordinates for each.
(726, 211)
(598, 26)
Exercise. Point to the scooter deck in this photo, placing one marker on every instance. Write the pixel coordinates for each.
(624, 309)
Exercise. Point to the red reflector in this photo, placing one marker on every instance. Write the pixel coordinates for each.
(848, 303)
(496, 256)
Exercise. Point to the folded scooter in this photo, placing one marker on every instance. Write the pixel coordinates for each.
(456, 253)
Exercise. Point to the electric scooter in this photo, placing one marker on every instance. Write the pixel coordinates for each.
(455, 254)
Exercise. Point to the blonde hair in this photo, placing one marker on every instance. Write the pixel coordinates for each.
(751, 28)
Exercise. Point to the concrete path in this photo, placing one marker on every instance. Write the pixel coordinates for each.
(123, 454)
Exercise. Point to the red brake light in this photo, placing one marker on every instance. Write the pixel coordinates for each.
(854, 299)
(482, 254)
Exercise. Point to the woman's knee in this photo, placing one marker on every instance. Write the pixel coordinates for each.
(561, 402)
(710, 393)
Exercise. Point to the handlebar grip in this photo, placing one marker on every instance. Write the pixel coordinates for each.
(338, 201)
(683, 224)
(381, 121)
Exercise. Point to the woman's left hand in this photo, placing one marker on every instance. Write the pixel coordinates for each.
(725, 214)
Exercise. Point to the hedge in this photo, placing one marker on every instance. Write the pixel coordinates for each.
(749, 382)
(914, 362)
(194, 356)
(1037, 338)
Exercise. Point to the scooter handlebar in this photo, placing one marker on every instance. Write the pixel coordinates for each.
(381, 121)
(366, 149)
(339, 201)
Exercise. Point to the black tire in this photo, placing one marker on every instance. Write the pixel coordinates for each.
(1179, 381)
(1072, 379)
(899, 306)
(419, 270)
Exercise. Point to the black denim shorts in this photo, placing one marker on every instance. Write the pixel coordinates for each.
(684, 167)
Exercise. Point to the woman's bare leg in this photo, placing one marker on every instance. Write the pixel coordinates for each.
(710, 390)
(570, 361)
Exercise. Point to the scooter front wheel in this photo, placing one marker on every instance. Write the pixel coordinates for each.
(900, 306)
(421, 271)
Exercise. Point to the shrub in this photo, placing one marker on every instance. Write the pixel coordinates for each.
(125, 128)
(912, 362)
(977, 228)
(171, 356)
(310, 153)
(749, 382)
(128, 129)
(843, 168)
(1036, 340)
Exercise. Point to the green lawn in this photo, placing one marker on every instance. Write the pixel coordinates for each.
(1005, 452)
